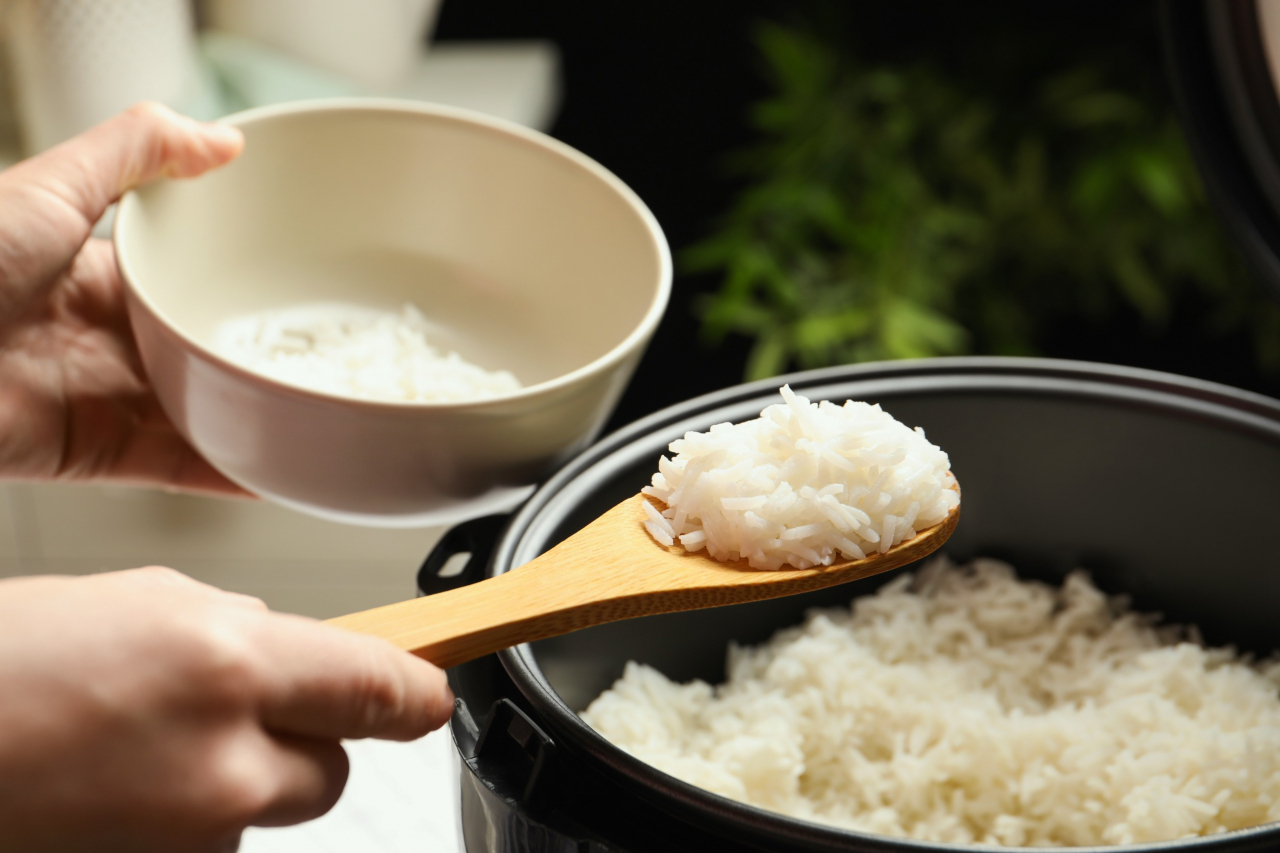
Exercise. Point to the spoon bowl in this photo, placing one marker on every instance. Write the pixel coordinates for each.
(611, 569)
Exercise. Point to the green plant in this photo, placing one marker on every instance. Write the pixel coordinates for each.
(896, 212)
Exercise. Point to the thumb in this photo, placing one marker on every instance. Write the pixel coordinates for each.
(92, 170)
(49, 203)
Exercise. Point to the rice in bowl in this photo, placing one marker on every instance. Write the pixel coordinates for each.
(357, 352)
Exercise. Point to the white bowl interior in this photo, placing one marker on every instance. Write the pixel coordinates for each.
(524, 255)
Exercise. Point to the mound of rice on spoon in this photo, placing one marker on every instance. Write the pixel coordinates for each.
(803, 485)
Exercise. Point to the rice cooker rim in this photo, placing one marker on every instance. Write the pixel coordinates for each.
(1175, 395)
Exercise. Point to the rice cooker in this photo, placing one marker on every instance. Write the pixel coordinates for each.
(1060, 462)
(1063, 465)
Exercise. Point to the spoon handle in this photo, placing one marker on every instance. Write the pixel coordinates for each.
(453, 627)
(611, 569)
(567, 588)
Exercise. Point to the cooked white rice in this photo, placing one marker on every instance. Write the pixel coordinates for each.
(804, 484)
(356, 352)
(968, 706)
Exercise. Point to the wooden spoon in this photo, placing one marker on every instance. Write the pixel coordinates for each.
(611, 569)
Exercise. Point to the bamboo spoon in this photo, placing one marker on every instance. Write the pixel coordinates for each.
(611, 569)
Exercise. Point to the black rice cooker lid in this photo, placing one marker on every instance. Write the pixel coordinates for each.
(1224, 63)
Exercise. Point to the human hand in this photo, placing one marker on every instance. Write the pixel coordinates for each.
(143, 711)
(74, 400)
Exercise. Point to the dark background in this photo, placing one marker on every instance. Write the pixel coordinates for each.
(659, 93)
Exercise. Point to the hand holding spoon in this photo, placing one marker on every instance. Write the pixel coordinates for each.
(610, 570)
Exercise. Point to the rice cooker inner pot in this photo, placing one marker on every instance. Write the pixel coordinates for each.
(1164, 488)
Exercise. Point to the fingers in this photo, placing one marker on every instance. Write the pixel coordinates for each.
(330, 683)
(94, 169)
(49, 203)
(310, 776)
(126, 435)
(318, 681)
(157, 455)
(164, 578)
(252, 778)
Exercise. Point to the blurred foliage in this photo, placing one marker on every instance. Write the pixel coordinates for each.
(896, 211)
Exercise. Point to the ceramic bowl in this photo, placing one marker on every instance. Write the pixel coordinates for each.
(523, 253)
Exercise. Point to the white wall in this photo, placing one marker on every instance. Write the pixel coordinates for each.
(293, 562)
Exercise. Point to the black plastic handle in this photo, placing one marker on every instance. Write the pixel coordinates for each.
(477, 538)
(514, 749)
(513, 787)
